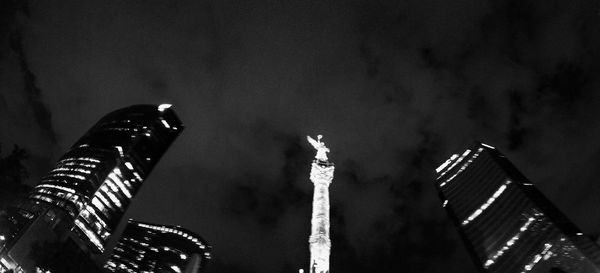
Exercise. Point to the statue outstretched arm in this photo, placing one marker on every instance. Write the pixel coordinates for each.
(322, 150)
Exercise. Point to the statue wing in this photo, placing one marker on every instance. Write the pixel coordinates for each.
(313, 142)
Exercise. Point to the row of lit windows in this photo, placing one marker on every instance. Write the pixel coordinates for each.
(56, 175)
(88, 159)
(137, 242)
(58, 187)
(56, 202)
(123, 261)
(462, 168)
(79, 170)
(174, 231)
(460, 159)
(485, 205)
(112, 267)
(493, 258)
(66, 196)
(452, 158)
(79, 164)
(126, 263)
(537, 258)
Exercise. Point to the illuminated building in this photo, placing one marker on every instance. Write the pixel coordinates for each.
(506, 223)
(94, 182)
(147, 247)
(321, 175)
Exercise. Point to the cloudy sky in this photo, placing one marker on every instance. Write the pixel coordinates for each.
(394, 86)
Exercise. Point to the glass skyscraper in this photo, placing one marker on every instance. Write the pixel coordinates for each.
(94, 182)
(145, 247)
(506, 223)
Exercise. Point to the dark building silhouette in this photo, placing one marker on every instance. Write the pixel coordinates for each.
(506, 223)
(145, 247)
(82, 200)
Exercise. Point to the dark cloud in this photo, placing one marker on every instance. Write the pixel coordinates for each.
(516, 131)
(565, 85)
(395, 87)
(41, 113)
(25, 117)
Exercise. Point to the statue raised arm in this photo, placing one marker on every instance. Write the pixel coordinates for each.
(320, 147)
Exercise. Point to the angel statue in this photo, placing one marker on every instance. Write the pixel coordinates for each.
(320, 147)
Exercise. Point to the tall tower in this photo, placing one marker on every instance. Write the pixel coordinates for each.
(506, 223)
(321, 176)
(94, 182)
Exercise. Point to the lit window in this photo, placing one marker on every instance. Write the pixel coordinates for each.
(96, 202)
(164, 122)
(488, 146)
(176, 268)
(164, 106)
(115, 200)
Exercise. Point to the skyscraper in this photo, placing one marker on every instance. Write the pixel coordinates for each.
(321, 175)
(145, 247)
(94, 182)
(506, 223)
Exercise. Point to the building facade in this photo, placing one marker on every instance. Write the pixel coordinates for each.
(69, 217)
(145, 247)
(94, 182)
(506, 223)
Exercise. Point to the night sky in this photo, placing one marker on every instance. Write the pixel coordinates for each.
(395, 87)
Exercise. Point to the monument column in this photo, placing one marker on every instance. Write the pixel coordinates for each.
(321, 175)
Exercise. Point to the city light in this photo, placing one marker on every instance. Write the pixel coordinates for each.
(163, 107)
(488, 146)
